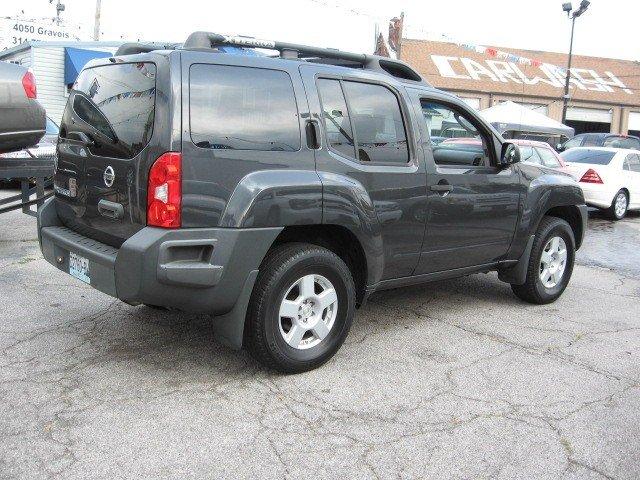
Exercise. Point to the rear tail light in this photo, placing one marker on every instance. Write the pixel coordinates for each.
(591, 176)
(29, 85)
(164, 192)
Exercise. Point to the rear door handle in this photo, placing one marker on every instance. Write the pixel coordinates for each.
(442, 188)
(313, 134)
(110, 209)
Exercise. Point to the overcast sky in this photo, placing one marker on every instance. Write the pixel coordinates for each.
(608, 29)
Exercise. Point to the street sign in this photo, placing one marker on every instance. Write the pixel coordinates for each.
(13, 32)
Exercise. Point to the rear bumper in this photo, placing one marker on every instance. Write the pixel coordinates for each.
(597, 195)
(196, 270)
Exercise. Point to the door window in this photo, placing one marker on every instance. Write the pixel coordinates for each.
(574, 142)
(622, 142)
(380, 133)
(634, 162)
(454, 138)
(530, 155)
(336, 117)
(548, 157)
(370, 129)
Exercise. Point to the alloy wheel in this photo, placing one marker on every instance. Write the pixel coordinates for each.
(553, 262)
(620, 205)
(308, 311)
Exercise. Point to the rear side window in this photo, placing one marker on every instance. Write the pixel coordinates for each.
(379, 129)
(243, 108)
(117, 102)
(548, 158)
(596, 157)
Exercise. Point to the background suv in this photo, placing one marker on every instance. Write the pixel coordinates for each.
(611, 140)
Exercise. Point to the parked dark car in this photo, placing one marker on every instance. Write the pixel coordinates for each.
(278, 193)
(611, 140)
(22, 118)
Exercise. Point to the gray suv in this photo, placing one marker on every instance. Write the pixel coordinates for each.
(278, 193)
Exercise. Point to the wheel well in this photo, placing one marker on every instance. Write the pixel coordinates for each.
(339, 240)
(571, 215)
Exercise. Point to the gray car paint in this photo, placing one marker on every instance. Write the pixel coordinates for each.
(22, 119)
(240, 201)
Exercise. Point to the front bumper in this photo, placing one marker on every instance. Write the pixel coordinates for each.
(200, 270)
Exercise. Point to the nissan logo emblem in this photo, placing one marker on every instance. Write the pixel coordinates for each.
(109, 176)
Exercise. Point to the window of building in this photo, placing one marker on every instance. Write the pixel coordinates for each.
(243, 108)
(455, 139)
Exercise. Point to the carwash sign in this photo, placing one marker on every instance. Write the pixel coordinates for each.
(13, 32)
(510, 72)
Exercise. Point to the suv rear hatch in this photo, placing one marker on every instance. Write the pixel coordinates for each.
(106, 147)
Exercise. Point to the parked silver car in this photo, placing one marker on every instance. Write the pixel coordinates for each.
(22, 118)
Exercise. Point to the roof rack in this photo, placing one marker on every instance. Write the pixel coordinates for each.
(396, 68)
(133, 48)
(210, 41)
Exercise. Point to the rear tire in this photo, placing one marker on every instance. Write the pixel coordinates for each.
(619, 206)
(301, 308)
(550, 264)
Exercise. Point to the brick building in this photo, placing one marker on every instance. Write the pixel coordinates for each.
(605, 93)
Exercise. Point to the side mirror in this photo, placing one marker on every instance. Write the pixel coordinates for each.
(510, 154)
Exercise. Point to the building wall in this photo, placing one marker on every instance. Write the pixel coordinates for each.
(597, 83)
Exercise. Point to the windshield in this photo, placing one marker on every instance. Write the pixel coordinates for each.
(117, 103)
(596, 157)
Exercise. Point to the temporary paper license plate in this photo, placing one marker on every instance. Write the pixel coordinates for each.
(79, 267)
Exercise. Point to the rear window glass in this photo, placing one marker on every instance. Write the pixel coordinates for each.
(243, 108)
(117, 102)
(596, 157)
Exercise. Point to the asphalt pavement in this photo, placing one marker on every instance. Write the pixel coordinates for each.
(455, 379)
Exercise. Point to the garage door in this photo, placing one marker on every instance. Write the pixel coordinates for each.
(634, 121)
(589, 115)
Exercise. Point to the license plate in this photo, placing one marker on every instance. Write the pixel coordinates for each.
(79, 267)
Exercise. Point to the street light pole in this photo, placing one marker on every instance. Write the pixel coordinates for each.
(96, 23)
(567, 7)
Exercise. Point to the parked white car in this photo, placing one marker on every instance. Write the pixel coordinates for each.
(609, 177)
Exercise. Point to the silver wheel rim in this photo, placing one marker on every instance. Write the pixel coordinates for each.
(620, 205)
(553, 262)
(308, 311)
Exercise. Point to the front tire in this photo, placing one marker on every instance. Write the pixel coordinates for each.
(301, 308)
(550, 264)
(619, 206)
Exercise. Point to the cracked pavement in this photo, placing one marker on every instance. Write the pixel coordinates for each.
(455, 379)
